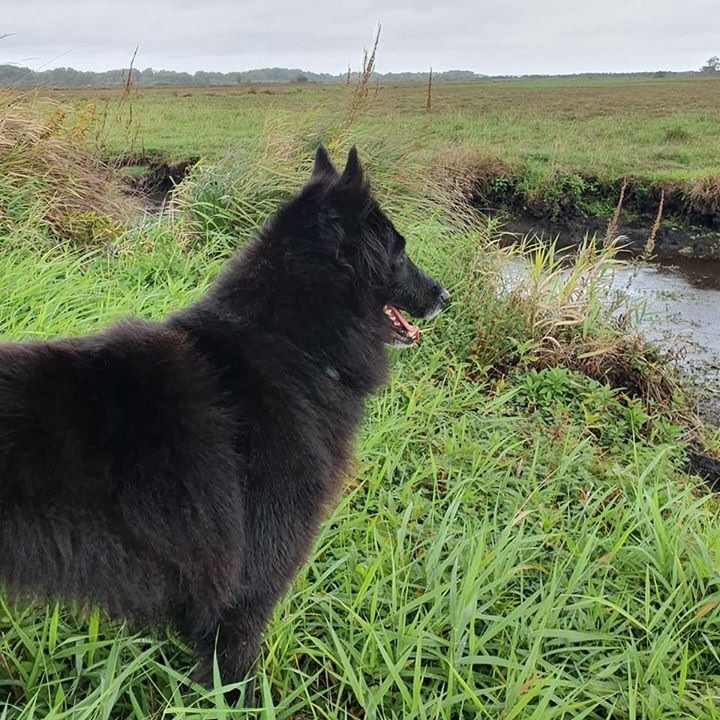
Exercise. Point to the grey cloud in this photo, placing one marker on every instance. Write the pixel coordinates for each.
(493, 36)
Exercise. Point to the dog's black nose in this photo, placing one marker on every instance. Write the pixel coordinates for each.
(444, 296)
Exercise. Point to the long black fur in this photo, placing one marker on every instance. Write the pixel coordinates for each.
(177, 471)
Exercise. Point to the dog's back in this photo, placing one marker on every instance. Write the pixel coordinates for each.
(117, 470)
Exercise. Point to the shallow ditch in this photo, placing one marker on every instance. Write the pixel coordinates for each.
(686, 213)
(672, 241)
(152, 176)
(681, 294)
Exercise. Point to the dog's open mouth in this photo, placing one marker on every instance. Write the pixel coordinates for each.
(403, 332)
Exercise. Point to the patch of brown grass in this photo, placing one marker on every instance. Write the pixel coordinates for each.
(43, 163)
(620, 360)
(467, 173)
(704, 196)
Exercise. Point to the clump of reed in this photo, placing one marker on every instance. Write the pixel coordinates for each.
(49, 181)
(704, 196)
(551, 308)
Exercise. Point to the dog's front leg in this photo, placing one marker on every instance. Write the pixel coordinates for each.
(237, 641)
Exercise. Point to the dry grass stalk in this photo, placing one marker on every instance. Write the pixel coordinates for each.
(428, 102)
(368, 67)
(612, 228)
(361, 88)
(128, 79)
(123, 117)
(124, 114)
(650, 244)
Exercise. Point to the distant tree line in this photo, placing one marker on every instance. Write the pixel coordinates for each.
(11, 75)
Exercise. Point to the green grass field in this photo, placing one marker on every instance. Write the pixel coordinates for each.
(546, 144)
(517, 539)
(665, 129)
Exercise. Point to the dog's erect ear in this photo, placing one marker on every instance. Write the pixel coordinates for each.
(353, 172)
(323, 164)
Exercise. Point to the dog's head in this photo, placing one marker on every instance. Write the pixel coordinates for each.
(368, 250)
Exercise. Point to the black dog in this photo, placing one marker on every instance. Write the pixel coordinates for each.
(177, 471)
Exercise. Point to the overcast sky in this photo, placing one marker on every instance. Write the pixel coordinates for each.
(487, 36)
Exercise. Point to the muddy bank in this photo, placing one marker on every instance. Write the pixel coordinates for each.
(669, 241)
(577, 197)
(155, 176)
(682, 217)
(704, 466)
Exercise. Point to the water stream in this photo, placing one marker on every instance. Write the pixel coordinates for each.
(680, 309)
(682, 301)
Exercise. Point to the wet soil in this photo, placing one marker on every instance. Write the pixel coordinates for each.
(157, 176)
(705, 467)
(689, 212)
(671, 241)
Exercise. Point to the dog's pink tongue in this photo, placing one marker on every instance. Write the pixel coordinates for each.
(412, 331)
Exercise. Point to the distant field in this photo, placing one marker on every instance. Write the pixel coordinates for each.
(665, 129)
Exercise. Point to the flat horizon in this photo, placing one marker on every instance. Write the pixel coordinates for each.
(341, 73)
